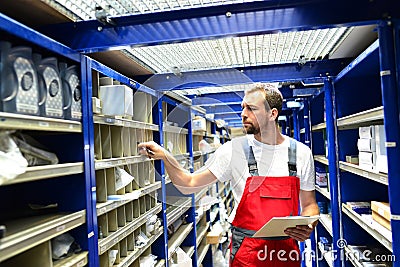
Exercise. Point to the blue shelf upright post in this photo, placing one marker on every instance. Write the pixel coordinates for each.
(333, 169)
(288, 125)
(160, 246)
(390, 91)
(90, 180)
(192, 211)
(307, 124)
(296, 131)
(307, 141)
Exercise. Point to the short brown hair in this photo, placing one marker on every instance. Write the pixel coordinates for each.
(273, 97)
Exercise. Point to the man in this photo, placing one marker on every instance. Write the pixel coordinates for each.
(270, 174)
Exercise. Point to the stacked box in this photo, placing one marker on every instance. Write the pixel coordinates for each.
(321, 178)
(366, 147)
(381, 213)
(381, 155)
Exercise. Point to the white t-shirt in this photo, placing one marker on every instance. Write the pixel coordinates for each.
(229, 163)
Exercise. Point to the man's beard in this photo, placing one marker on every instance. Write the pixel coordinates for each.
(250, 129)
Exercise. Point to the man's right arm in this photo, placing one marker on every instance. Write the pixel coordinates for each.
(185, 181)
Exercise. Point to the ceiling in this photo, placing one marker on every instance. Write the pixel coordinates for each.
(176, 40)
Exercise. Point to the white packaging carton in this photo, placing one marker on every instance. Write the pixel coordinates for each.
(117, 100)
(381, 156)
(367, 132)
(367, 160)
(367, 145)
(199, 124)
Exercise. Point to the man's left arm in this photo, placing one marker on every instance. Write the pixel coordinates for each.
(309, 207)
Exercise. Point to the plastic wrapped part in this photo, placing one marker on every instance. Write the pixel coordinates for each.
(60, 245)
(72, 93)
(122, 178)
(152, 223)
(19, 90)
(205, 147)
(34, 152)
(219, 260)
(141, 240)
(51, 102)
(182, 259)
(148, 261)
(112, 256)
(12, 162)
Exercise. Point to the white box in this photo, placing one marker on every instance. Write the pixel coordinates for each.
(367, 145)
(367, 158)
(117, 100)
(367, 132)
(199, 124)
(381, 155)
(381, 163)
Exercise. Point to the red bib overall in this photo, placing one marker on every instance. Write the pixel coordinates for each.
(264, 198)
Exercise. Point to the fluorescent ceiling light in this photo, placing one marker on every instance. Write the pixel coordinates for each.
(245, 51)
(231, 52)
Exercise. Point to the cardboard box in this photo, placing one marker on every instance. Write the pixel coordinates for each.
(382, 221)
(117, 100)
(381, 155)
(367, 145)
(352, 159)
(367, 158)
(96, 105)
(360, 207)
(382, 208)
(199, 124)
(213, 237)
(367, 132)
(321, 178)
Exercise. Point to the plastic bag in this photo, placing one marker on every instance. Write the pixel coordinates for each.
(112, 256)
(12, 163)
(60, 245)
(219, 260)
(148, 261)
(34, 152)
(122, 178)
(152, 224)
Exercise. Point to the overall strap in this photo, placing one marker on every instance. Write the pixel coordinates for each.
(292, 158)
(251, 161)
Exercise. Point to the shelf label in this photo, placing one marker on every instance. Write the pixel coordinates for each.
(390, 144)
(86, 147)
(385, 72)
(81, 263)
(102, 210)
(365, 174)
(395, 217)
(43, 124)
(91, 234)
(60, 228)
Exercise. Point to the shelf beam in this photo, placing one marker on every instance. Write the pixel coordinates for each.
(367, 227)
(45, 172)
(26, 233)
(16, 121)
(213, 22)
(374, 176)
(365, 118)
